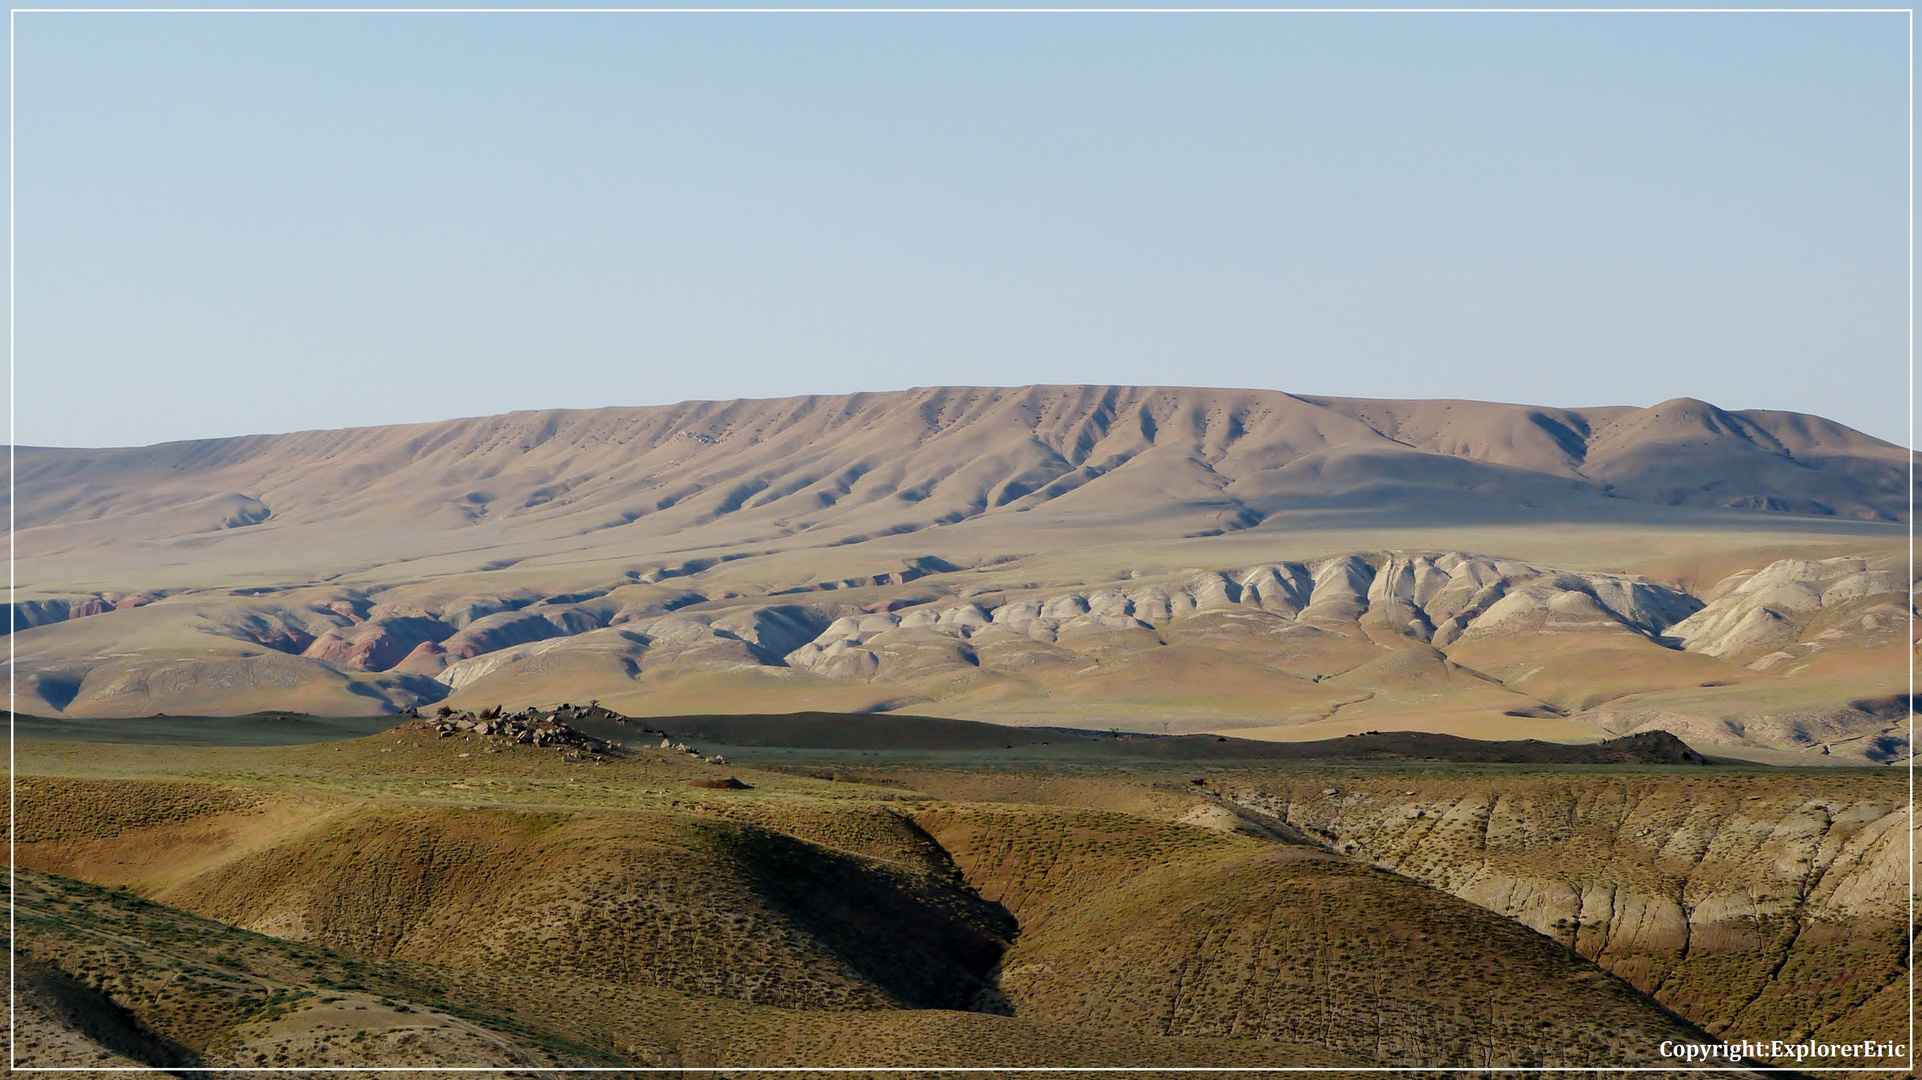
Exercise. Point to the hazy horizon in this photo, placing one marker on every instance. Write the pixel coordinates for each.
(231, 224)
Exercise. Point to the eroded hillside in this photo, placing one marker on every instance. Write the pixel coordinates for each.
(1758, 904)
(1149, 927)
(1799, 656)
(1746, 903)
(618, 903)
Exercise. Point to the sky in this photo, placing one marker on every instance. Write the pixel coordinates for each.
(240, 223)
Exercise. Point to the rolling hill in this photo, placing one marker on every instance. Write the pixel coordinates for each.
(529, 905)
(438, 894)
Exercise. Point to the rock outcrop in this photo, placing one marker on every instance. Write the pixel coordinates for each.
(530, 727)
(1733, 902)
(1398, 635)
(1436, 598)
(1762, 615)
(378, 644)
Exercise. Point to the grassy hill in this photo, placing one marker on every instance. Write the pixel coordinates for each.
(586, 904)
(1167, 929)
(108, 978)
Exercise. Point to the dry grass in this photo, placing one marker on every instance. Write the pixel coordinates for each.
(56, 808)
(111, 978)
(1159, 928)
(810, 920)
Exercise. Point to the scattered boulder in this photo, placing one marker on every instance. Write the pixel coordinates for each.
(726, 783)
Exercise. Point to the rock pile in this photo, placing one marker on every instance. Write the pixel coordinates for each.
(531, 727)
(548, 729)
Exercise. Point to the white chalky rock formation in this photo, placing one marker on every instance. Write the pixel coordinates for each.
(1764, 613)
(1433, 598)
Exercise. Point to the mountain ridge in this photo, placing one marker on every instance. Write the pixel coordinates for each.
(816, 472)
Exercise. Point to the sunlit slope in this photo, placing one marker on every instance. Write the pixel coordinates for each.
(808, 472)
(1161, 559)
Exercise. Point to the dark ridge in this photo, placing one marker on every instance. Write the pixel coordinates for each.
(728, 783)
(896, 732)
(251, 729)
(872, 731)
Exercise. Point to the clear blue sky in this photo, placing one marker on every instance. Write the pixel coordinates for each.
(244, 223)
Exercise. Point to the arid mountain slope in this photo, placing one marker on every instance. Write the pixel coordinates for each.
(1167, 559)
(1158, 928)
(1802, 656)
(810, 471)
(108, 978)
